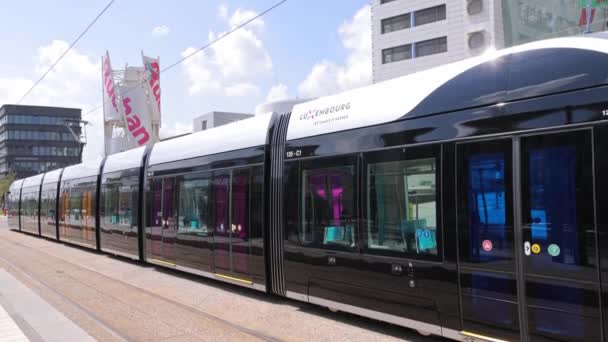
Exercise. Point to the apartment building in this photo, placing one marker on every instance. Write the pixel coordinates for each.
(413, 35)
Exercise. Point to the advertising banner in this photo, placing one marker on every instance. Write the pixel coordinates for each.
(153, 84)
(137, 114)
(111, 105)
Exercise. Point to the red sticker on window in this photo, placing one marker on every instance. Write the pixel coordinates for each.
(487, 245)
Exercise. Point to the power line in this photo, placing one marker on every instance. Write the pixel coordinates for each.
(225, 35)
(94, 109)
(205, 46)
(68, 50)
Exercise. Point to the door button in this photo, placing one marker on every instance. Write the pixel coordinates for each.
(527, 248)
(331, 260)
(410, 270)
(396, 269)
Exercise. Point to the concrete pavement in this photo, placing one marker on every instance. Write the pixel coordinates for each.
(111, 299)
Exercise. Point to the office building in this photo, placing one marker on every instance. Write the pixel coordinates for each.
(35, 139)
(215, 119)
(413, 35)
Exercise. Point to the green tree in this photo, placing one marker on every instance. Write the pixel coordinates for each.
(5, 182)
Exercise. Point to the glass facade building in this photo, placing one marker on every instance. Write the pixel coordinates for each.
(525, 21)
(35, 139)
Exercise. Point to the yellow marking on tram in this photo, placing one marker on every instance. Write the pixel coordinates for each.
(480, 337)
(163, 262)
(249, 282)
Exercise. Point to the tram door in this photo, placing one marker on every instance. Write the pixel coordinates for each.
(164, 222)
(231, 254)
(527, 238)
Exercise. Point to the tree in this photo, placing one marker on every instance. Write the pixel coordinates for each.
(6, 181)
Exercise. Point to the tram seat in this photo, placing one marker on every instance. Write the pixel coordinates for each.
(417, 236)
(342, 235)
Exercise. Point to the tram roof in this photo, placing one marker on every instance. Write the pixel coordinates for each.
(124, 160)
(234, 136)
(52, 176)
(548, 66)
(86, 169)
(32, 181)
(16, 185)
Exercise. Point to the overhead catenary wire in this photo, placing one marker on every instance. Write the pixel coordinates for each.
(206, 46)
(66, 51)
(225, 34)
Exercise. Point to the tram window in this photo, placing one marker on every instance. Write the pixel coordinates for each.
(74, 205)
(557, 203)
(126, 206)
(239, 224)
(110, 201)
(221, 201)
(120, 202)
(485, 215)
(48, 203)
(328, 207)
(402, 206)
(193, 203)
(257, 204)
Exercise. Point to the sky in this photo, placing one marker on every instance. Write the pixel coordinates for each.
(301, 49)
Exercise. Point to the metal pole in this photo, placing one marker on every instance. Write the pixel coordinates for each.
(588, 26)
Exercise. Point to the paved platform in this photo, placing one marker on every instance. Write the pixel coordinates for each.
(9, 331)
(95, 296)
(34, 316)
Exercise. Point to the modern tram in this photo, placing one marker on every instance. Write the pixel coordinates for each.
(465, 201)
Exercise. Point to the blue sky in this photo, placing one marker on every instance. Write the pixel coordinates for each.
(320, 42)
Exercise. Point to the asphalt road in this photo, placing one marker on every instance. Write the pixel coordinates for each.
(113, 299)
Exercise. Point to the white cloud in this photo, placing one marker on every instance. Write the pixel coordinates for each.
(231, 66)
(174, 128)
(242, 89)
(160, 31)
(327, 77)
(322, 80)
(12, 89)
(222, 12)
(241, 16)
(74, 82)
(277, 93)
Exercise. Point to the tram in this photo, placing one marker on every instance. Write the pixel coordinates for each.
(465, 201)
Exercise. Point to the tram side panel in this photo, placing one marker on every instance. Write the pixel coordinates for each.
(30, 198)
(48, 210)
(29, 204)
(207, 222)
(204, 202)
(364, 231)
(13, 204)
(601, 196)
(119, 213)
(78, 210)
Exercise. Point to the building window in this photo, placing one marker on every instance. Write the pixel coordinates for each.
(33, 120)
(204, 124)
(431, 46)
(398, 53)
(382, 2)
(429, 15)
(397, 23)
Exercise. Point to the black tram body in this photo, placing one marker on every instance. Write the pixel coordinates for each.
(466, 201)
